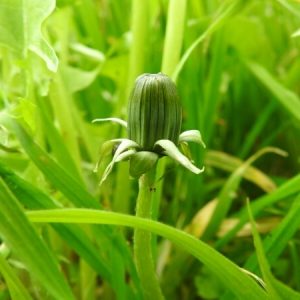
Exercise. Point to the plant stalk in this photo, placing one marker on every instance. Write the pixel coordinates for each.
(142, 239)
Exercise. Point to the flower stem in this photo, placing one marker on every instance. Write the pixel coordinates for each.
(142, 239)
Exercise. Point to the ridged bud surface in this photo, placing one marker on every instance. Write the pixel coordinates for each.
(154, 111)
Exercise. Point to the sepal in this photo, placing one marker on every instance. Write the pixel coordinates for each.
(116, 120)
(168, 148)
(191, 136)
(141, 162)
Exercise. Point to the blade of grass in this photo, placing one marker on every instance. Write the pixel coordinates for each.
(230, 163)
(254, 132)
(286, 97)
(224, 14)
(71, 188)
(286, 190)
(236, 280)
(275, 243)
(16, 288)
(57, 144)
(226, 195)
(74, 191)
(33, 198)
(276, 289)
(21, 237)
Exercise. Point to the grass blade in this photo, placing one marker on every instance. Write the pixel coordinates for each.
(287, 189)
(15, 286)
(286, 97)
(236, 280)
(22, 238)
(276, 289)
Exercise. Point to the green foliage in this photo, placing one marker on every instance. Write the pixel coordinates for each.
(237, 69)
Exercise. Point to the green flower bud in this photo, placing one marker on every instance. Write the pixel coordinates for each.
(154, 111)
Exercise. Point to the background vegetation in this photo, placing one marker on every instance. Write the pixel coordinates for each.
(237, 68)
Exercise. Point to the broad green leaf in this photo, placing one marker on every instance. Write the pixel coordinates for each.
(229, 274)
(16, 288)
(20, 23)
(21, 237)
(275, 288)
(76, 79)
(287, 98)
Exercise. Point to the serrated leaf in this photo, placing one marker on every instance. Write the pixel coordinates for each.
(21, 22)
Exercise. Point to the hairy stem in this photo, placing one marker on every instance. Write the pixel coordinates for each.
(142, 239)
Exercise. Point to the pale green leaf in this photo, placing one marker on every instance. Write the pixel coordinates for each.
(20, 23)
(76, 79)
(28, 110)
(88, 52)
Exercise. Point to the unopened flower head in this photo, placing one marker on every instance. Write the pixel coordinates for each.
(153, 129)
(154, 111)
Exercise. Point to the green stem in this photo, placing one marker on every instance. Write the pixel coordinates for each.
(142, 239)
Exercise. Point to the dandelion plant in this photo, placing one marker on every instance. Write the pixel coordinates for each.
(153, 130)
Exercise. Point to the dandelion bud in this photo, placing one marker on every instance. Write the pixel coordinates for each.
(154, 111)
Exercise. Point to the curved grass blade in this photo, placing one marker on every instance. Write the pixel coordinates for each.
(275, 243)
(230, 163)
(233, 277)
(276, 289)
(286, 190)
(226, 194)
